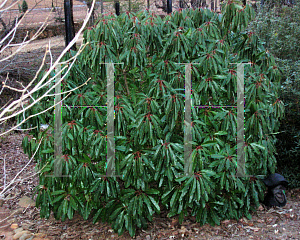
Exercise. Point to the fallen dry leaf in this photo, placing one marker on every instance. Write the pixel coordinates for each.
(14, 226)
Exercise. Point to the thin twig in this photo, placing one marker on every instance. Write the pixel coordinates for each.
(14, 105)
(17, 175)
(4, 171)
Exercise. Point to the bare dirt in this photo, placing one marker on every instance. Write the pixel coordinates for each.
(40, 10)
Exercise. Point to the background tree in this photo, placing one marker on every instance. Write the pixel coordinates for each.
(69, 22)
(278, 26)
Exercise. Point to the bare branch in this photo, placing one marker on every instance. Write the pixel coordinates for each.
(14, 108)
(3, 23)
(9, 7)
(4, 171)
(24, 43)
(17, 103)
(17, 175)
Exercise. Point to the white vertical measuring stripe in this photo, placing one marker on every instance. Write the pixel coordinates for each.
(57, 125)
(240, 121)
(110, 171)
(188, 166)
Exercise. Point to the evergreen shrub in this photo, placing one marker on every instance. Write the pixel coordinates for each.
(149, 114)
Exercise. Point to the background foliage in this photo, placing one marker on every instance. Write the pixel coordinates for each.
(149, 113)
(278, 26)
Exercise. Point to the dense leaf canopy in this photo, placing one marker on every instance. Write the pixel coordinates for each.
(149, 114)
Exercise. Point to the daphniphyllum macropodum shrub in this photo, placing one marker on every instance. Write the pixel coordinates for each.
(149, 116)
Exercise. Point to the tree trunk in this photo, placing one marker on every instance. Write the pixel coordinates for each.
(117, 7)
(169, 6)
(69, 23)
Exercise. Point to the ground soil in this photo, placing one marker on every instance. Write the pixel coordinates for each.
(40, 10)
(280, 223)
